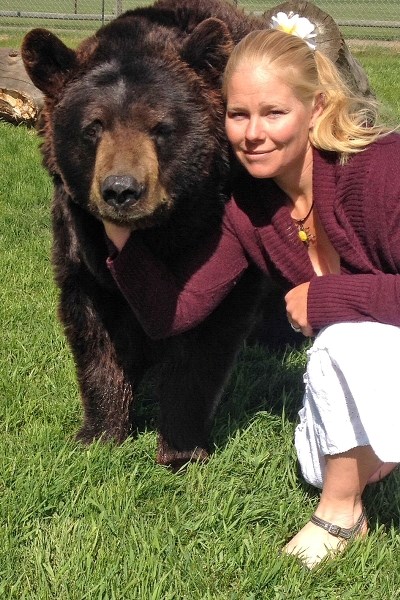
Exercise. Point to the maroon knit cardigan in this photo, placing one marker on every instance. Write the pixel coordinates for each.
(359, 207)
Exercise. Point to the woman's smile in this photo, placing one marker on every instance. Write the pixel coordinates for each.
(258, 152)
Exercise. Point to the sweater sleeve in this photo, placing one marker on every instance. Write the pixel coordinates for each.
(167, 303)
(364, 297)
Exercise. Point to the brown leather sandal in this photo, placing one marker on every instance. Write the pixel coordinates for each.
(341, 532)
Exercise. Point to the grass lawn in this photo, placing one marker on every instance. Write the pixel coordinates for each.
(106, 523)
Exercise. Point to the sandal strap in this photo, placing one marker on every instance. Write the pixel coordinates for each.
(337, 531)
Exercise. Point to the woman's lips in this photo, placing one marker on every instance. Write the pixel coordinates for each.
(257, 152)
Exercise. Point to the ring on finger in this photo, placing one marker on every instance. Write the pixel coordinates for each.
(296, 329)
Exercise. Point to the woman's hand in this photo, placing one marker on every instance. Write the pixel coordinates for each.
(118, 234)
(296, 309)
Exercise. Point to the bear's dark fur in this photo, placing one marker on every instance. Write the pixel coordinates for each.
(139, 104)
(140, 100)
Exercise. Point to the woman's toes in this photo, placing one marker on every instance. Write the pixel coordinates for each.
(312, 544)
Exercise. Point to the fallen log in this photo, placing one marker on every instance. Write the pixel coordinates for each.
(20, 100)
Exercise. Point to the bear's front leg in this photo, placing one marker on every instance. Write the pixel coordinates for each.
(189, 391)
(197, 366)
(102, 332)
(175, 459)
(107, 346)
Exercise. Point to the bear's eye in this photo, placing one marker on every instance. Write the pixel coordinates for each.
(162, 130)
(93, 131)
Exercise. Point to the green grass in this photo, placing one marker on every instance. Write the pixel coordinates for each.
(105, 522)
(381, 65)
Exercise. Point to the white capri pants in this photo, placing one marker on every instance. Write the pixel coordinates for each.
(352, 395)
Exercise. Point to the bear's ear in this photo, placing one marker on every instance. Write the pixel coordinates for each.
(48, 61)
(207, 49)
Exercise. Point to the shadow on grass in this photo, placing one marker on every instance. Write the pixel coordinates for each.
(382, 502)
(262, 380)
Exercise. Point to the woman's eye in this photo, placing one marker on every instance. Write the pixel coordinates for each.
(236, 116)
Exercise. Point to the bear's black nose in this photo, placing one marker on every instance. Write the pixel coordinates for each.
(121, 191)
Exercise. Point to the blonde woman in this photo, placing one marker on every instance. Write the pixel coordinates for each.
(316, 205)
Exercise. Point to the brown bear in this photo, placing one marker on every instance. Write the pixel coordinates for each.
(133, 132)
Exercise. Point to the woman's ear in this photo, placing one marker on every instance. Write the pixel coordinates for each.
(318, 108)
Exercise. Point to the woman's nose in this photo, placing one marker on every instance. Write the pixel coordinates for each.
(255, 130)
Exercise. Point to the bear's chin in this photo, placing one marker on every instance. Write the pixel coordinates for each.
(136, 223)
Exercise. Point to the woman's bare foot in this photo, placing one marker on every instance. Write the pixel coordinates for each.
(383, 471)
(313, 543)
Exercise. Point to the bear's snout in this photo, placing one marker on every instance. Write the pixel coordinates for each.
(121, 191)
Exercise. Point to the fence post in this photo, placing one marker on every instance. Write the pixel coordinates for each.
(118, 7)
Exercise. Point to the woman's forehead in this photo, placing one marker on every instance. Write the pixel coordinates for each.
(249, 81)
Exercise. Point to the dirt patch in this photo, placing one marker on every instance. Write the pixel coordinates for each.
(359, 44)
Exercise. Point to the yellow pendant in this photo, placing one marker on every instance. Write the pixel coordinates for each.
(303, 236)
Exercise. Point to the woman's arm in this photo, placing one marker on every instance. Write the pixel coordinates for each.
(167, 303)
(340, 298)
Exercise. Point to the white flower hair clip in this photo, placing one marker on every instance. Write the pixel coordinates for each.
(295, 25)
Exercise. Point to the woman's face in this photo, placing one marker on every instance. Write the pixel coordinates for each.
(266, 124)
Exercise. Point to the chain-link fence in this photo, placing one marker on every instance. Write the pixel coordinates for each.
(367, 19)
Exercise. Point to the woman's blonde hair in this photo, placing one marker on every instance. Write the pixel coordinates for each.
(348, 122)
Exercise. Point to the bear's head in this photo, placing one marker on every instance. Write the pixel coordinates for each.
(133, 120)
